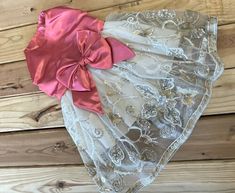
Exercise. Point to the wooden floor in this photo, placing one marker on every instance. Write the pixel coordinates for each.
(38, 156)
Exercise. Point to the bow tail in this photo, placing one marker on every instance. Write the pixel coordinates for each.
(88, 100)
(119, 50)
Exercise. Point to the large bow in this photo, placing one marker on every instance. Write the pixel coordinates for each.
(97, 52)
(66, 41)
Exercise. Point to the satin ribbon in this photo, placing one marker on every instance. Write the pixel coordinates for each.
(66, 41)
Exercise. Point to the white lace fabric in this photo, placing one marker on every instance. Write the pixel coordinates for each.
(151, 102)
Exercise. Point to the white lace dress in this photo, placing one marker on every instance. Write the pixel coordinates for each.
(151, 102)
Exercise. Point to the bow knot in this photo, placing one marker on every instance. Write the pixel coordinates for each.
(82, 62)
(96, 51)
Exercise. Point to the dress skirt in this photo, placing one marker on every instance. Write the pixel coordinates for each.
(151, 102)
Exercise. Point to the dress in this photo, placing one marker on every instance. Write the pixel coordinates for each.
(151, 102)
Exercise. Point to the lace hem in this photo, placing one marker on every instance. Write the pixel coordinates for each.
(158, 96)
(175, 145)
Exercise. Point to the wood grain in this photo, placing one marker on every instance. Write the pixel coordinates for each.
(29, 112)
(212, 138)
(15, 78)
(226, 45)
(223, 94)
(221, 9)
(14, 41)
(38, 110)
(18, 13)
(37, 155)
(185, 177)
(41, 147)
(15, 13)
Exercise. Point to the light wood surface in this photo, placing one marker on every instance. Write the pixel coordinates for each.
(212, 138)
(183, 177)
(18, 13)
(19, 82)
(38, 110)
(13, 41)
(37, 155)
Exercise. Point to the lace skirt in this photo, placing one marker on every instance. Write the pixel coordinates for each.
(151, 102)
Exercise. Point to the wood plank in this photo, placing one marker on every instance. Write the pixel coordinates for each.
(41, 111)
(29, 112)
(185, 177)
(212, 138)
(226, 45)
(14, 41)
(25, 12)
(41, 147)
(15, 79)
(221, 9)
(223, 94)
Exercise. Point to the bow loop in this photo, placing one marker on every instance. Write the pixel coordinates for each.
(94, 49)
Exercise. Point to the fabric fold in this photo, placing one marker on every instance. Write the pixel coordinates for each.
(66, 41)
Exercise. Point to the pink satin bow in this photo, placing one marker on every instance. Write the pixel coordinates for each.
(66, 41)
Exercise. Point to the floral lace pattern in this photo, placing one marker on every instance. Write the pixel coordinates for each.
(151, 102)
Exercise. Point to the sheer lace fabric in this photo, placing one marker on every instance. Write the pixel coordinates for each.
(151, 102)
